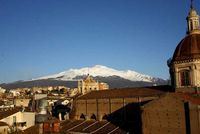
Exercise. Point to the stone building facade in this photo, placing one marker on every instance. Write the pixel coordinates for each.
(171, 114)
(98, 104)
(118, 106)
(89, 84)
(150, 110)
(179, 112)
(22, 102)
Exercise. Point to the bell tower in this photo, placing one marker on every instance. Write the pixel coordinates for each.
(185, 63)
(192, 20)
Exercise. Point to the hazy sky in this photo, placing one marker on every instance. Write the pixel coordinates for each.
(43, 37)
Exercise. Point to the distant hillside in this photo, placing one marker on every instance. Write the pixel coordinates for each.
(39, 83)
(114, 78)
(113, 82)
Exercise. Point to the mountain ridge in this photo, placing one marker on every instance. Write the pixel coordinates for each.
(100, 70)
(114, 78)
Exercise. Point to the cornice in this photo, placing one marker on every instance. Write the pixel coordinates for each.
(186, 61)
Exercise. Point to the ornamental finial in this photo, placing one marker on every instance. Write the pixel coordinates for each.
(191, 4)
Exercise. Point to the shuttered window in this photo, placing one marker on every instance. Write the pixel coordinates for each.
(185, 78)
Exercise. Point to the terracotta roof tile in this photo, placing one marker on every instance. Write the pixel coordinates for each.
(31, 130)
(1, 103)
(89, 126)
(3, 123)
(5, 113)
(120, 93)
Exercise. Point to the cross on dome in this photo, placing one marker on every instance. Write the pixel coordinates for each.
(191, 4)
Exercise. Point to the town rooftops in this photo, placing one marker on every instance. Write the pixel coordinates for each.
(182, 97)
(123, 93)
(90, 126)
(1, 102)
(3, 123)
(31, 130)
(7, 112)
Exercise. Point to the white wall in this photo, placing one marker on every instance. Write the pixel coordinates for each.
(3, 129)
(28, 117)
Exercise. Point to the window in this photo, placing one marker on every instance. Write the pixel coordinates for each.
(93, 117)
(105, 117)
(191, 25)
(185, 78)
(82, 117)
(196, 24)
(23, 124)
(14, 119)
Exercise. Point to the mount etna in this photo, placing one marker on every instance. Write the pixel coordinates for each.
(114, 78)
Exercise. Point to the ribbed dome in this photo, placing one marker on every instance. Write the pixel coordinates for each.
(192, 13)
(188, 48)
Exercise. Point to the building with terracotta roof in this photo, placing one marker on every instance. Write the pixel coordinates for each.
(146, 110)
(3, 128)
(179, 112)
(185, 63)
(153, 110)
(174, 113)
(17, 118)
(121, 107)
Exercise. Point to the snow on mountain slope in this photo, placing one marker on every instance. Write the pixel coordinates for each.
(99, 70)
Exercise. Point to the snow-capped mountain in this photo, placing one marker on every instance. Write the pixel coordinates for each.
(100, 71)
(114, 78)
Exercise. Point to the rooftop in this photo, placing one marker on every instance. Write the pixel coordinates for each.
(123, 93)
(91, 126)
(3, 124)
(9, 111)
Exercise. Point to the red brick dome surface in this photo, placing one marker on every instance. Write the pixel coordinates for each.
(188, 48)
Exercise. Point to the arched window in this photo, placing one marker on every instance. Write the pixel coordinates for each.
(105, 117)
(82, 117)
(191, 25)
(93, 117)
(185, 78)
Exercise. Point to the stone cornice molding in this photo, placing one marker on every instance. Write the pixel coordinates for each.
(186, 61)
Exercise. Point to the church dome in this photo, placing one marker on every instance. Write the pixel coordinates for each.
(188, 48)
(193, 13)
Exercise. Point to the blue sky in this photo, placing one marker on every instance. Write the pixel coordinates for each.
(42, 37)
